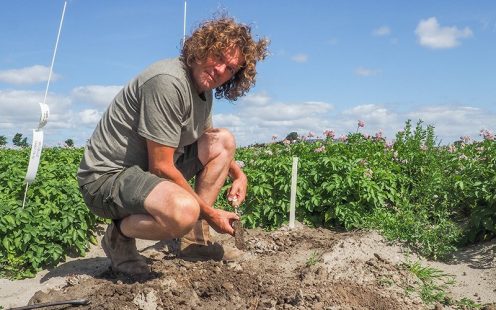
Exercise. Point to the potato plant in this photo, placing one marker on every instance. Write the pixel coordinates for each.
(53, 223)
(434, 197)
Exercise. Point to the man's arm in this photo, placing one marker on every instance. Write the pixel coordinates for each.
(161, 163)
(237, 191)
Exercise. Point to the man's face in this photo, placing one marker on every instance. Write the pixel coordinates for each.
(216, 69)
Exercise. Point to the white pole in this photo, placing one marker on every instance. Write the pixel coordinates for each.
(37, 144)
(55, 52)
(184, 23)
(292, 203)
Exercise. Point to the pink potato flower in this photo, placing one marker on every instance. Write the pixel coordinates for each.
(487, 135)
(378, 135)
(343, 138)
(465, 139)
(329, 134)
(361, 124)
(320, 149)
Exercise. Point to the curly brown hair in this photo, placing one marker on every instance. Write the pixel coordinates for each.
(213, 37)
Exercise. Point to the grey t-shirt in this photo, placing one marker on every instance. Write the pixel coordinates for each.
(161, 104)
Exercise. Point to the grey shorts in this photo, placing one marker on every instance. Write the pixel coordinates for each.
(123, 193)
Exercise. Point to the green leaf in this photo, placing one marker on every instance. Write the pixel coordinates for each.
(9, 219)
(6, 243)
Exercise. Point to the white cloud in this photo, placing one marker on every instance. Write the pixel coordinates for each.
(454, 115)
(284, 111)
(226, 120)
(20, 113)
(28, 75)
(21, 106)
(382, 31)
(97, 94)
(452, 122)
(256, 124)
(90, 116)
(361, 71)
(254, 120)
(376, 116)
(431, 34)
(255, 99)
(300, 58)
(253, 123)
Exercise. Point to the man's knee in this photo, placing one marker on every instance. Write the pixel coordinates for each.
(221, 140)
(173, 208)
(185, 213)
(227, 139)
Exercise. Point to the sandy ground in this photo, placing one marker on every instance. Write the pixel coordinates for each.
(286, 269)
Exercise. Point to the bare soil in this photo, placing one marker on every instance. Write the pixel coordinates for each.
(300, 268)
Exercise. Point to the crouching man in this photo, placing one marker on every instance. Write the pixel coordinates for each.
(157, 134)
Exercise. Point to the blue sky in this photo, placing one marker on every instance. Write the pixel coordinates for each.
(332, 63)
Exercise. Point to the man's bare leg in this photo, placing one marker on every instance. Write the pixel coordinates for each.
(172, 213)
(216, 151)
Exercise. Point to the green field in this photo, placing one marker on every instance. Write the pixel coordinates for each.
(435, 198)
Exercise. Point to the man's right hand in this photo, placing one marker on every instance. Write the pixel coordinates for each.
(221, 221)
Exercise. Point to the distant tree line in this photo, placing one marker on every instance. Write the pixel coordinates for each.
(20, 141)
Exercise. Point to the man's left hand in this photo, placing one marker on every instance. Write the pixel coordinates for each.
(237, 193)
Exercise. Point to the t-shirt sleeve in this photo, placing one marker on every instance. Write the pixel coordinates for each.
(162, 108)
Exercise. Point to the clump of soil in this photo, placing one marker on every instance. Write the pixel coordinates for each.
(302, 268)
(239, 239)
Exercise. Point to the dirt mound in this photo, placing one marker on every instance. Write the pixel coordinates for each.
(301, 268)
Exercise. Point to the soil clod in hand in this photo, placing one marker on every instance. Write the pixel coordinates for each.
(239, 240)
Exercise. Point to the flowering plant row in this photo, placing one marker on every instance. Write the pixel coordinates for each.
(433, 197)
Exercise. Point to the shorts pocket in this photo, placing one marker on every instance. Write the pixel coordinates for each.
(94, 200)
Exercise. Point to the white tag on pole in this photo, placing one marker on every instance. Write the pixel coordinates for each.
(34, 158)
(45, 111)
(37, 145)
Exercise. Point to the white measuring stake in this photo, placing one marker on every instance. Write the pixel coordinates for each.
(292, 203)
